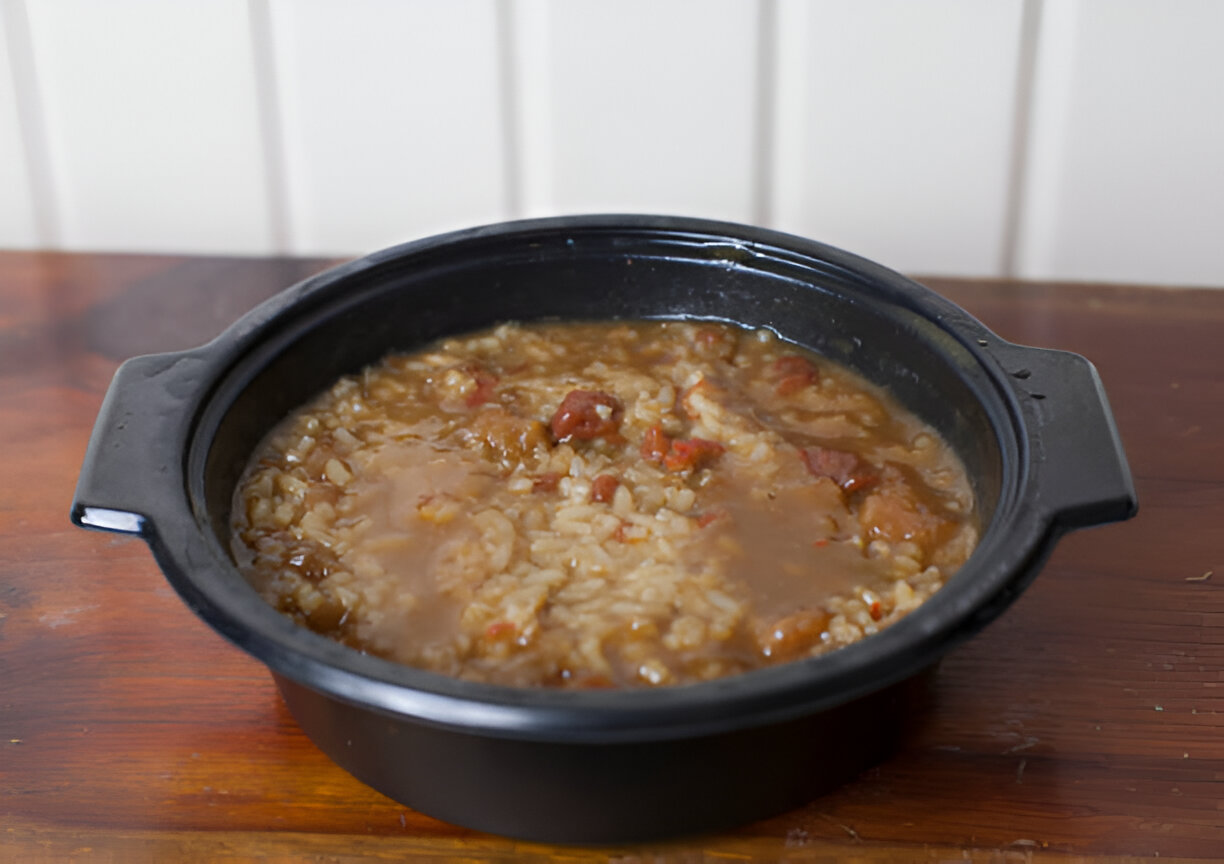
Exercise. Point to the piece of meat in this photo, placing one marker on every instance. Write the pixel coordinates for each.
(486, 383)
(546, 482)
(466, 386)
(683, 454)
(792, 635)
(715, 343)
(507, 435)
(896, 512)
(587, 414)
(500, 629)
(844, 468)
(793, 373)
(691, 453)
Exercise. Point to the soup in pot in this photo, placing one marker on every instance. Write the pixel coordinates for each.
(602, 505)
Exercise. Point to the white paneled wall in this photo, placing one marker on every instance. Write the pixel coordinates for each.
(896, 128)
(1037, 138)
(1127, 138)
(644, 106)
(151, 123)
(391, 119)
(18, 225)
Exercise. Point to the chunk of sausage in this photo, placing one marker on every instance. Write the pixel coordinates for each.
(469, 385)
(485, 389)
(587, 414)
(501, 629)
(546, 482)
(603, 488)
(507, 435)
(793, 373)
(845, 469)
(691, 453)
(792, 635)
(896, 512)
(715, 343)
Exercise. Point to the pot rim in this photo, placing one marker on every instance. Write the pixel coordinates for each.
(1013, 545)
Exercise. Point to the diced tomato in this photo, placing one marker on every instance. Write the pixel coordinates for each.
(678, 455)
(655, 444)
(691, 453)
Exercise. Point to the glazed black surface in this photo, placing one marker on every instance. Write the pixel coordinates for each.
(177, 429)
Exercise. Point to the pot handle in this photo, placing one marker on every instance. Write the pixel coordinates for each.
(1082, 474)
(134, 450)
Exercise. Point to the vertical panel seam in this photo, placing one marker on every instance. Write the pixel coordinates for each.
(1022, 118)
(767, 75)
(508, 85)
(270, 126)
(790, 132)
(32, 125)
(529, 34)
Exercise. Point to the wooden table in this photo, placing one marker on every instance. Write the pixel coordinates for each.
(1087, 723)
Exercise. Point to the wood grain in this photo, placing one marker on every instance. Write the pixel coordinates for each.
(1086, 724)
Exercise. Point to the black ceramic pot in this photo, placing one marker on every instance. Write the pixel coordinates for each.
(1032, 426)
